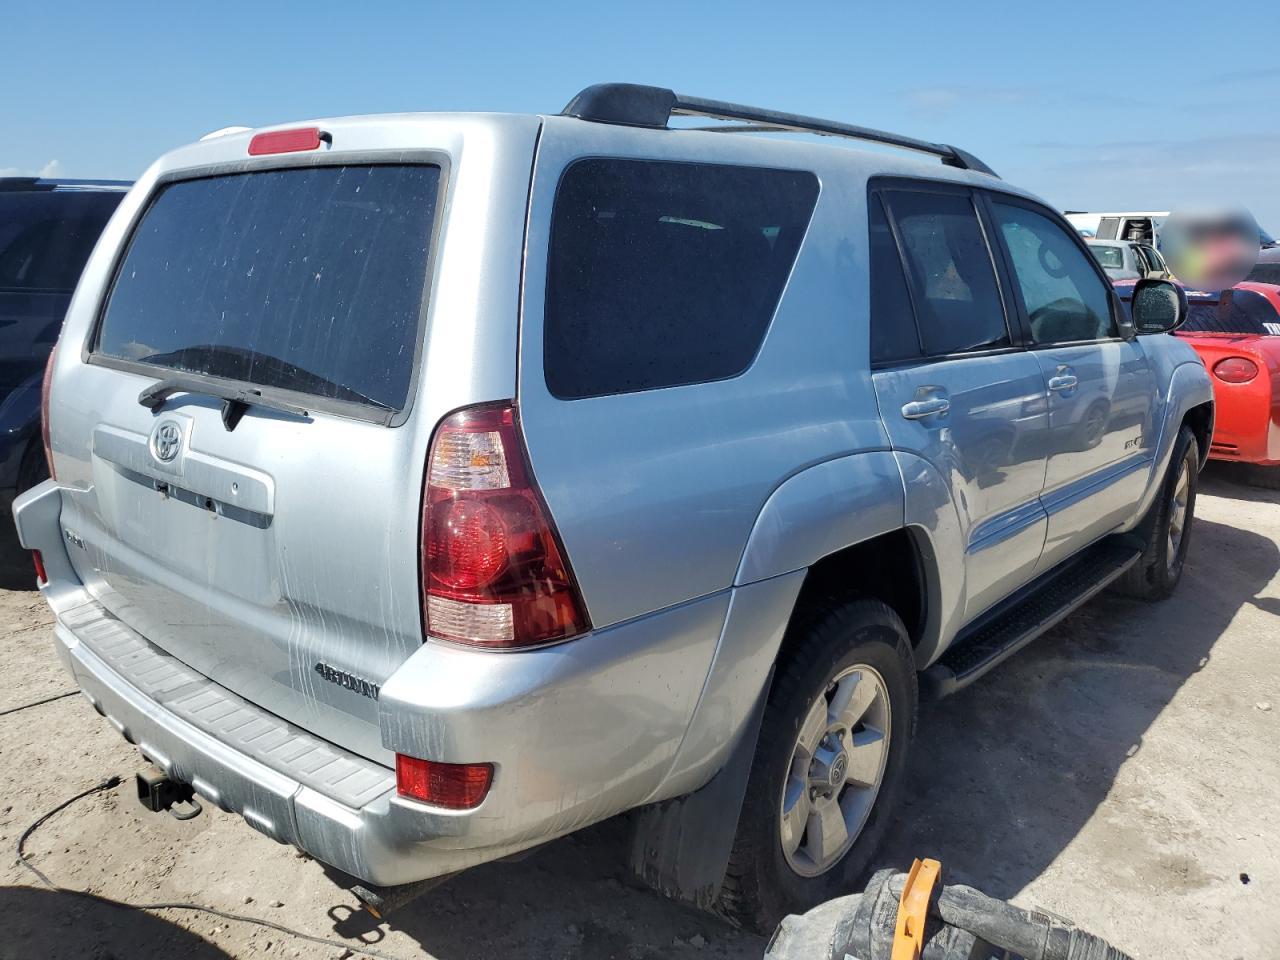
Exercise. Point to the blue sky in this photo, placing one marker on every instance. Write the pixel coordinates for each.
(1093, 105)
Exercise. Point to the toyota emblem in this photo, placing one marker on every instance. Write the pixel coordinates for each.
(166, 440)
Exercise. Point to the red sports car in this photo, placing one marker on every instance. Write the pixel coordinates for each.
(1236, 332)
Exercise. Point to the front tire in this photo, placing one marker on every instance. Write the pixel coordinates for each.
(1167, 530)
(829, 762)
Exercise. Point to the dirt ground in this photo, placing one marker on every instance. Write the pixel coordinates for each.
(1123, 771)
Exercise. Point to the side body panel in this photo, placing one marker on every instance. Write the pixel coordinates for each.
(1101, 438)
(990, 449)
(656, 493)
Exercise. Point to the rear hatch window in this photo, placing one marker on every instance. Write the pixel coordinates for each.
(308, 281)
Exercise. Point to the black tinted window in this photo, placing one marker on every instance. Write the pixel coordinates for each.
(1265, 273)
(893, 326)
(666, 273)
(1065, 299)
(308, 279)
(1239, 311)
(46, 236)
(957, 301)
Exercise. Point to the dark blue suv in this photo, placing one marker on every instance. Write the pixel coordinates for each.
(47, 230)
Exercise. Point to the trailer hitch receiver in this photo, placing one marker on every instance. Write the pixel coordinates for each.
(158, 791)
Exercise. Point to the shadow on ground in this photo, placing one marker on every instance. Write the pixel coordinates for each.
(1231, 480)
(16, 572)
(1005, 773)
(36, 923)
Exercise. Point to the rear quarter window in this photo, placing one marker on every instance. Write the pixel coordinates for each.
(663, 273)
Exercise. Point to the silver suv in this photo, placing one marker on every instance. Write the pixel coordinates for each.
(430, 486)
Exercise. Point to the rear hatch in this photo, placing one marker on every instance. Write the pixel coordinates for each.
(273, 547)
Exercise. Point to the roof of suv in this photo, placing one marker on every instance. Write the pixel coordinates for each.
(619, 113)
(45, 184)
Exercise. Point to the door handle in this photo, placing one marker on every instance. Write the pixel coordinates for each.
(919, 409)
(1064, 381)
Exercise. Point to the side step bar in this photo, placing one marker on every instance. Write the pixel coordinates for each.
(1036, 608)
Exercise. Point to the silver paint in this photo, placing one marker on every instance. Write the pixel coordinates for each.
(689, 515)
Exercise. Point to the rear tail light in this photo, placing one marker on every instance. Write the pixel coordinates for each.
(493, 571)
(38, 560)
(1235, 370)
(458, 786)
(45, 385)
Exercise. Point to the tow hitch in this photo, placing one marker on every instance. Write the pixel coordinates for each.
(158, 791)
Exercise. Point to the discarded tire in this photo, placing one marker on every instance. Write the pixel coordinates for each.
(964, 924)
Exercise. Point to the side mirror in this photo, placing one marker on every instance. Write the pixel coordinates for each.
(1158, 306)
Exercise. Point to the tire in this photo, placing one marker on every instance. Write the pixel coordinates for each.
(1266, 477)
(1159, 568)
(828, 639)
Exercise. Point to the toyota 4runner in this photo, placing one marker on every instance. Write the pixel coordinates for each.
(429, 486)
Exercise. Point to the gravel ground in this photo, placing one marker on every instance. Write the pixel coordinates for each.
(1122, 771)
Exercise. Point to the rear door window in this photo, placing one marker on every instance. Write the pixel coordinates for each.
(307, 280)
(953, 281)
(893, 325)
(664, 273)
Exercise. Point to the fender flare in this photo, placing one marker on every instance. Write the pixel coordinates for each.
(843, 502)
(1189, 387)
(822, 509)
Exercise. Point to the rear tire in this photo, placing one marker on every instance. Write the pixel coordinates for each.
(855, 656)
(1167, 529)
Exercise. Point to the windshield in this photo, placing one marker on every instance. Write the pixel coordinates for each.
(309, 280)
(1111, 258)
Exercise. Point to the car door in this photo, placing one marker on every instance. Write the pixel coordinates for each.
(1101, 387)
(1156, 268)
(955, 387)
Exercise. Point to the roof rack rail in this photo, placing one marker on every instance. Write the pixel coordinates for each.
(637, 105)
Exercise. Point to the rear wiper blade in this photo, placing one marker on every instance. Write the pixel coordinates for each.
(235, 400)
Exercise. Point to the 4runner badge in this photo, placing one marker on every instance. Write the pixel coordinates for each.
(366, 688)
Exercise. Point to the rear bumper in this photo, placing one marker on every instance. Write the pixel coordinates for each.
(576, 733)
